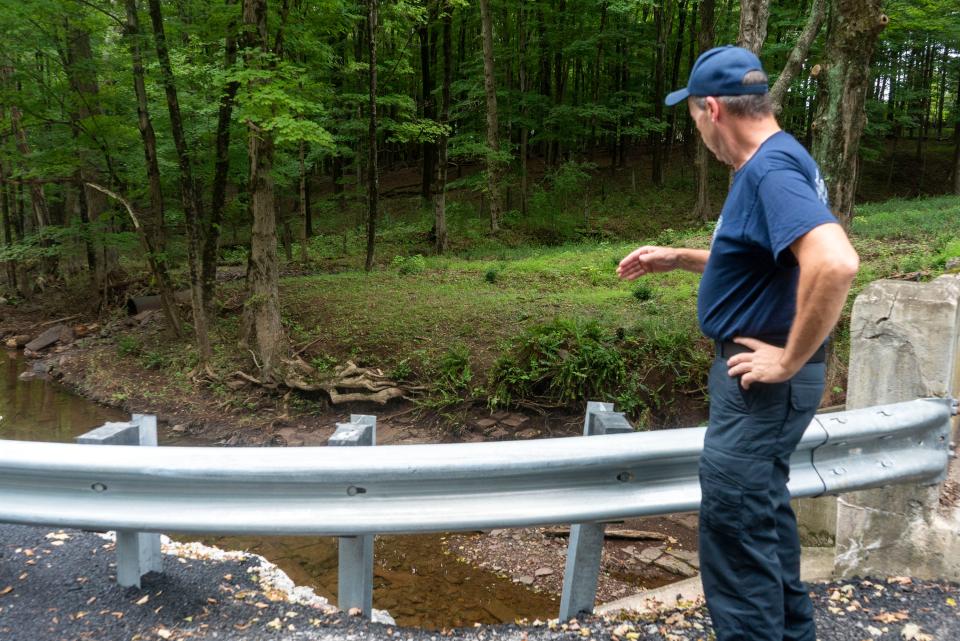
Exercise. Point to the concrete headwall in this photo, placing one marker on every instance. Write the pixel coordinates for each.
(905, 344)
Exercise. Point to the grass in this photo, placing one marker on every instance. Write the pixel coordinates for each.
(453, 318)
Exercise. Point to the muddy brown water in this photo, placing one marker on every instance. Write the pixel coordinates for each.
(415, 579)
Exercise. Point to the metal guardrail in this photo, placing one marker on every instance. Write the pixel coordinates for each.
(429, 488)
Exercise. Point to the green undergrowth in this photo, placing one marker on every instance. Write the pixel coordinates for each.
(513, 325)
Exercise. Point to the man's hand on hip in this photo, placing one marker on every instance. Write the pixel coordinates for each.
(762, 365)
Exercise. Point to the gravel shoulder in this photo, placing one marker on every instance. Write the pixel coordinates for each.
(58, 585)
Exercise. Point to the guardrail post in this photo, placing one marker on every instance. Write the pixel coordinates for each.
(137, 552)
(585, 547)
(355, 570)
(904, 344)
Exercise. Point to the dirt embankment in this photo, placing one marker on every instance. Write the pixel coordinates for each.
(87, 357)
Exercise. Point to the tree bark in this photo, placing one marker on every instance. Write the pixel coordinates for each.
(84, 103)
(493, 135)
(798, 54)
(702, 209)
(956, 141)
(524, 128)
(211, 235)
(844, 80)
(373, 173)
(10, 266)
(152, 224)
(662, 13)
(192, 208)
(675, 76)
(429, 148)
(941, 98)
(440, 197)
(754, 15)
(304, 209)
(261, 313)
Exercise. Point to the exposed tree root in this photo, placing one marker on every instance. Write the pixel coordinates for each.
(349, 384)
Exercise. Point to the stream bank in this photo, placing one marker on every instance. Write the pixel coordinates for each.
(432, 581)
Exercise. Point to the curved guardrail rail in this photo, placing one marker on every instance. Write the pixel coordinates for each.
(422, 488)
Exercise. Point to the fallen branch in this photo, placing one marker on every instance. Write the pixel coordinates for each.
(54, 322)
(623, 534)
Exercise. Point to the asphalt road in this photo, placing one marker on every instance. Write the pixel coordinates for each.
(58, 586)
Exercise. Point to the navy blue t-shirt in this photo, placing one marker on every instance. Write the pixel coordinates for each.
(749, 286)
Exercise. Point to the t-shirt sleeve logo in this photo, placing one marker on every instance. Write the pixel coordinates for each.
(716, 230)
(821, 189)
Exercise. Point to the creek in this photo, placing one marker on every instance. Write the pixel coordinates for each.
(414, 579)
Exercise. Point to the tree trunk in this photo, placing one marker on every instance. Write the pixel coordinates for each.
(211, 235)
(261, 312)
(662, 13)
(79, 67)
(304, 209)
(440, 197)
(192, 209)
(373, 186)
(524, 128)
(429, 148)
(38, 199)
(941, 98)
(702, 209)
(853, 31)
(675, 76)
(153, 222)
(798, 54)
(753, 24)
(493, 136)
(956, 141)
(10, 266)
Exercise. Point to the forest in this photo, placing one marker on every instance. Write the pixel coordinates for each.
(168, 146)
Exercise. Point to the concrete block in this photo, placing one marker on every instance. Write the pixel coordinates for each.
(905, 339)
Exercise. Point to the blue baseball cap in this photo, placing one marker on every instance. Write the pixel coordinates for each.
(720, 72)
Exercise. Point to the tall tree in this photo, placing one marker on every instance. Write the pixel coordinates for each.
(192, 206)
(493, 127)
(261, 312)
(956, 138)
(844, 80)
(754, 15)
(373, 173)
(211, 239)
(701, 208)
(440, 195)
(152, 225)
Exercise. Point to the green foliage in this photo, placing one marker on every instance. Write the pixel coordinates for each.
(643, 291)
(491, 276)
(128, 345)
(406, 265)
(453, 369)
(557, 205)
(561, 362)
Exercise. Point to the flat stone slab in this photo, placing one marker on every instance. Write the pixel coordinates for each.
(674, 566)
(46, 339)
(515, 420)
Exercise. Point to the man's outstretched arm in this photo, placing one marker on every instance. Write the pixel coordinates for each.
(650, 259)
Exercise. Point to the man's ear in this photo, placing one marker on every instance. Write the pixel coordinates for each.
(713, 108)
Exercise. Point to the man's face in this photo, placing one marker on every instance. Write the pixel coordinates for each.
(705, 120)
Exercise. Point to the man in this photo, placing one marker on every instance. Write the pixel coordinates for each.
(774, 282)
